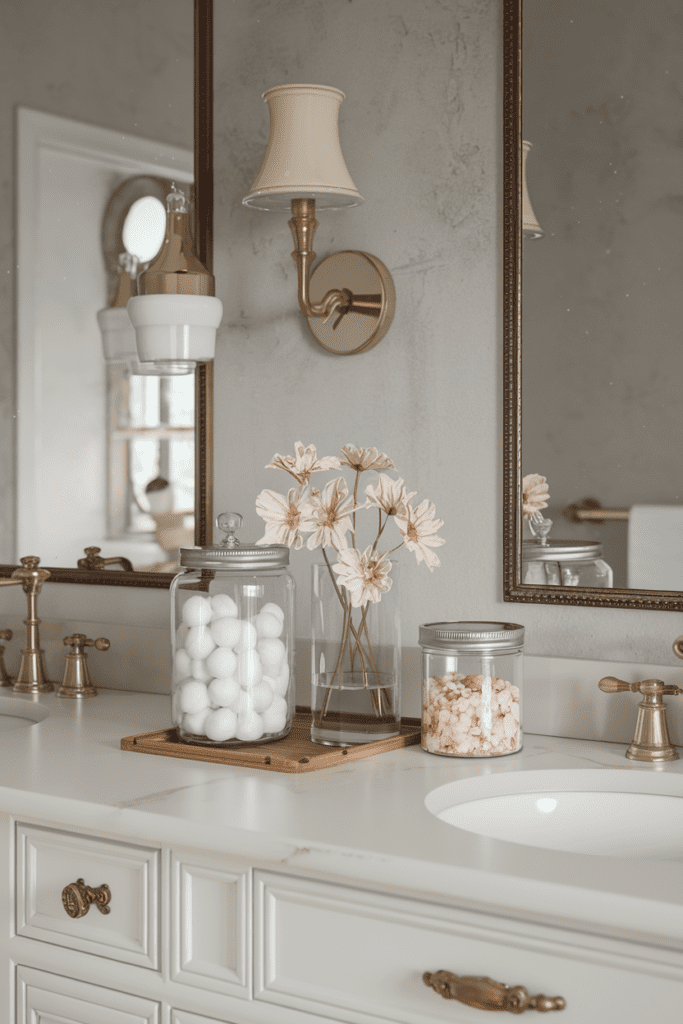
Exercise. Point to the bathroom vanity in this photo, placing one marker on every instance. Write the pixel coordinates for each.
(244, 896)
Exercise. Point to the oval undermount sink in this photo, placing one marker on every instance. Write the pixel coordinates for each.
(16, 713)
(609, 812)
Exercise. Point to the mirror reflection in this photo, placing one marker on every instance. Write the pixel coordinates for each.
(601, 294)
(97, 452)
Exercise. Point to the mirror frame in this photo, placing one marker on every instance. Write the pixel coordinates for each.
(203, 186)
(662, 600)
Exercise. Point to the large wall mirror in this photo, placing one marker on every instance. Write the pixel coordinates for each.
(104, 105)
(593, 302)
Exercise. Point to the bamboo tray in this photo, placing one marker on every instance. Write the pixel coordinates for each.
(294, 753)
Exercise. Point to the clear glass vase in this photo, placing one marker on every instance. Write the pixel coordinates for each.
(355, 663)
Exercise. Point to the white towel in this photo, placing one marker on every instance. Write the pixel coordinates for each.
(655, 547)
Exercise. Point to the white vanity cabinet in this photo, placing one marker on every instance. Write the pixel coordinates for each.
(198, 938)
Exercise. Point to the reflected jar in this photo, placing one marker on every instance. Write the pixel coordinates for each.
(565, 563)
(232, 627)
(472, 688)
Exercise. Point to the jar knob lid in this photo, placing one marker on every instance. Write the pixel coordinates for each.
(229, 523)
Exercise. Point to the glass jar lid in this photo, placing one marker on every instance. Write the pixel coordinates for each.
(561, 551)
(472, 636)
(232, 555)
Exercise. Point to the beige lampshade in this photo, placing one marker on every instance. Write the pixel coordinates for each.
(303, 159)
(530, 226)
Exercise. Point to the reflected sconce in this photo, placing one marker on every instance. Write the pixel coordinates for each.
(175, 314)
(530, 226)
(348, 299)
(118, 336)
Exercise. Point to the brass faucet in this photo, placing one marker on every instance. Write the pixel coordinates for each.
(32, 677)
(77, 681)
(651, 741)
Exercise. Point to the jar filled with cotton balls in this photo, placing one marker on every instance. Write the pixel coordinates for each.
(232, 627)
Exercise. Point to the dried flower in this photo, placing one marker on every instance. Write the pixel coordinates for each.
(418, 528)
(365, 576)
(362, 459)
(304, 463)
(535, 494)
(389, 495)
(283, 516)
(326, 515)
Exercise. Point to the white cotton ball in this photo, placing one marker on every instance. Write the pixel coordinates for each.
(181, 634)
(224, 692)
(183, 665)
(221, 725)
(261, 696)
(223, 605)
(275, 716)
(273, 609)
(248, 636)
(249, 726)
(222, 662)
(199, 643)
(200, 670)
(244, 702)
(195, 723)
(268, 625)
(272, 653)
(280, 684)
(226, 631)
(249, 669)
(193, 696)
(197, 611)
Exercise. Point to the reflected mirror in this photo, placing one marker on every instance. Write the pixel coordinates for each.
(98, 451)
(593, 302)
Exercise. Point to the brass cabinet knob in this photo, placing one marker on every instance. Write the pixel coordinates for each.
(487, 994)
(78, 896)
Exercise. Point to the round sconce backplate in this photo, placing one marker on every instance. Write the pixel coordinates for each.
(363, 275)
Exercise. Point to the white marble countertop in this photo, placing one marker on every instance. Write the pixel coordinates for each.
(363, 822)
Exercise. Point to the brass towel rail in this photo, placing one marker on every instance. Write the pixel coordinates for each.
(589, 510)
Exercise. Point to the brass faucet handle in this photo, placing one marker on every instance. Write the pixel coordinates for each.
(677, 646)
(610, 684)
(6, 634)
(79, 640)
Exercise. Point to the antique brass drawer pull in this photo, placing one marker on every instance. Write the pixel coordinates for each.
(487, 994)
(78, 896)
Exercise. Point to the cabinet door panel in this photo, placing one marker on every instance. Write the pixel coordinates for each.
(359, 956)
(49, 859)
(211, 925)
(44, 998)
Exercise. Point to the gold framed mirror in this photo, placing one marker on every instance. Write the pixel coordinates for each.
(585, 405)
(189, 46)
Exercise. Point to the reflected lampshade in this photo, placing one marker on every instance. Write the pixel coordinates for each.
(303, 159)
(530, 226)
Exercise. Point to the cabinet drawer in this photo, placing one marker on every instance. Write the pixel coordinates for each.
(358, 956)
(44, 998)
(48, 860)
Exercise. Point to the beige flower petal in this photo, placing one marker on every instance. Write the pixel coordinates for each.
(327, 516)
(362, 459)
(304, 463)
(365, 576)
(535, 494)
(283, 516)
(418, 528)
(389, 495)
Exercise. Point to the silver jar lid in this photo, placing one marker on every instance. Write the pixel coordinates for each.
(561, 551)
(230, 554)
(472, 636)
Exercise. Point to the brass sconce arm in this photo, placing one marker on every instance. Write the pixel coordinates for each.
(337, 300)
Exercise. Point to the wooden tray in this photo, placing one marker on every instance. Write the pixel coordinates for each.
(294, 753)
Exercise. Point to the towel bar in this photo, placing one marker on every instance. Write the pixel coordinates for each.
(589, 510)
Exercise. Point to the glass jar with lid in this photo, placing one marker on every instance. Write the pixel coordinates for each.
(472, 688)
(565, 563)
(232, 628)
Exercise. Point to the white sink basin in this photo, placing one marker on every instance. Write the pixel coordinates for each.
(610, 812)
(16, 713)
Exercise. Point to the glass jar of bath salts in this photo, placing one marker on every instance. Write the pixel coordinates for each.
(472, 688)
(232, 627)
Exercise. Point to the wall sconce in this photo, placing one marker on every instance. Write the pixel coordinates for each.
(530, 226)
(348, 299)
(175, 314)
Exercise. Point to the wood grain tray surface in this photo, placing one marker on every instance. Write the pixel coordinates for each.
(294, 753)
